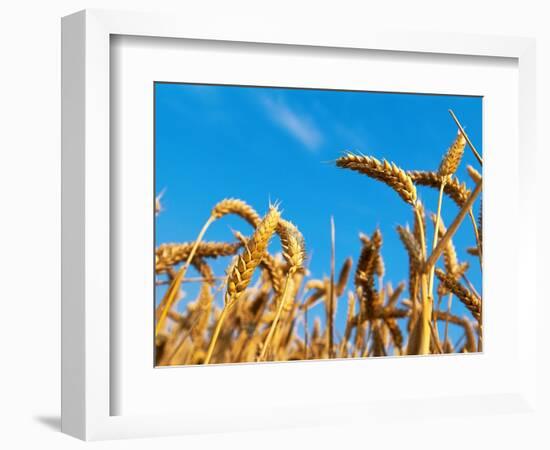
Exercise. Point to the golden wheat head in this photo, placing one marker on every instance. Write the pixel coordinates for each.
(292, 243)
(254, 250)
(383, 171)
(469, 300)
(457, 191)
(452, 158)
(236, 206)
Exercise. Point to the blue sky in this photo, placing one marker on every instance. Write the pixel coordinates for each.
(272, 144)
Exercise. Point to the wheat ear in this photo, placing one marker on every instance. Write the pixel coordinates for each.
(384, 171)
(242, 271)
(168, 255)
(293, 246)
(471, 302)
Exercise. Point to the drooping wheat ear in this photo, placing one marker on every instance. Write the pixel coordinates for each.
(167, 255)
(383, 171)
(236, 206)
(469, 300)
(457, 191)
(411, 245)
(474, 174)
(243, 269)
(452, 158)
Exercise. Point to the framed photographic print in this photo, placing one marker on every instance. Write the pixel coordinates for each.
(267, 229)
(261, 143)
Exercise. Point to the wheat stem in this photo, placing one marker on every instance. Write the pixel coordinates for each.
(280, 308)
(168, 300)
(216, 333)
(331, 291)
(426, 316)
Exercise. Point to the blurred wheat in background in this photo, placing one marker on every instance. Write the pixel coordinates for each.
(268, 298)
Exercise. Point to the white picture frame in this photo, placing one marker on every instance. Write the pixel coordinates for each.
(87, 328)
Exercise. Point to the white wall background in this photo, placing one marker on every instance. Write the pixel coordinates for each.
(30, 194)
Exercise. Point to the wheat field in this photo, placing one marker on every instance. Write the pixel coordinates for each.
(269, 299)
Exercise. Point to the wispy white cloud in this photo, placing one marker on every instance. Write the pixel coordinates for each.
(300, 126)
